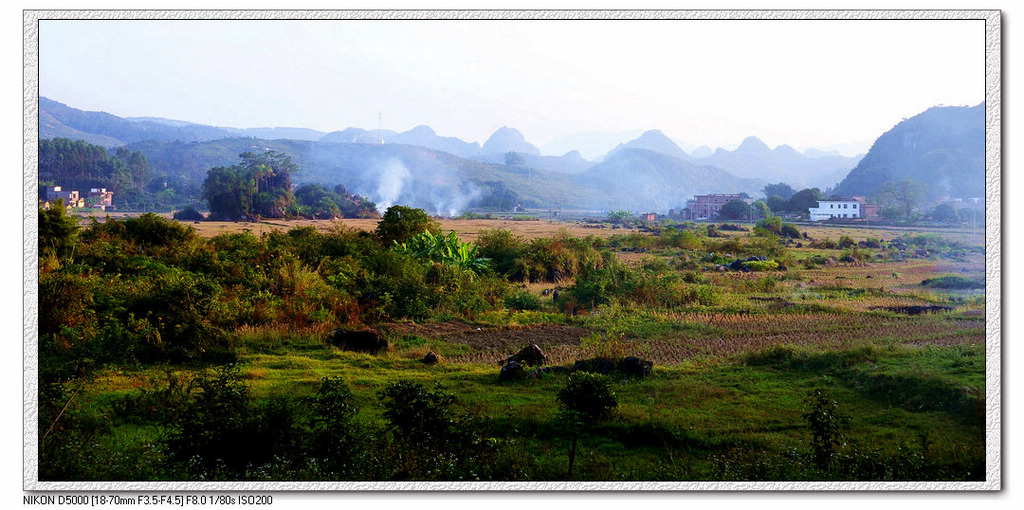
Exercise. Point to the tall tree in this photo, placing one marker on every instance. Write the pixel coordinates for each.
(735, 210)
(259, 185)
(228, 193)
(906, 194)
(401, 223)
(781, 189)
(777, 204)
(804, 199)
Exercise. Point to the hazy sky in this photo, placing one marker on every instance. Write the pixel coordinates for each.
(805, 83)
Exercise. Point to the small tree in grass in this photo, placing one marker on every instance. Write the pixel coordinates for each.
(587, 398)
(400, 224)
(826, 425)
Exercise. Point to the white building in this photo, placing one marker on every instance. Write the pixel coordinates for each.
(845, 208)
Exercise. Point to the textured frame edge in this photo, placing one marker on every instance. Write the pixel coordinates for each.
(993, 231)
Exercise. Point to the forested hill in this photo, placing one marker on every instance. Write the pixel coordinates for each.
(57, 120)
(436, 181)
(941, 149)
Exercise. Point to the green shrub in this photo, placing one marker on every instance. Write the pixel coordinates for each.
(214, 434)
(401, 223)
(504, 249)
(522, 300)
(761, 265)
(704, 295)
(58, 232)
(682, 239)
(762, 284)
(826, 425)
(789, 230)
(417, 415)
(335, 436)
(188, 214)
(953, 282)
(694, 277)
(588, 394)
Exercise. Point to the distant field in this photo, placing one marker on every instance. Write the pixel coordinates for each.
(469, 230)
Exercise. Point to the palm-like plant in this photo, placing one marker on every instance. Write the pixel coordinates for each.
(444, 250)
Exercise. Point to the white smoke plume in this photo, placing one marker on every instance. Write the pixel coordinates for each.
(391, 179)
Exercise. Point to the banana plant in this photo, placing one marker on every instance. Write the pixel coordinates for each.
(444, 250)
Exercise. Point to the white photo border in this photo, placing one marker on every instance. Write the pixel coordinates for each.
(993, 232)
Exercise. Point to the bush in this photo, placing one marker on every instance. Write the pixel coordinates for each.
(953, 282)
(704, 295)
(588, 394)
(760, 265)
(401, 223)
(826, 424)
(763, 284)
(417, 415)
(216, 432)
(789, 230)
(334, 434)
(522, 300)
(189, 214)
(682, 239)
(503, 248)
(58, 232)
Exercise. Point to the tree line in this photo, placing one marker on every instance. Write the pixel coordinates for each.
(260, 186)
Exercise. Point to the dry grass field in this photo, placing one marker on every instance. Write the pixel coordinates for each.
(469, 229)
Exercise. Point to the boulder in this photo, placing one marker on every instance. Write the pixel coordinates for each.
(537, 372)
(367, 340)
(529, 355)
(512, 371)
(603, 366)
(432, 358)
(635, 367)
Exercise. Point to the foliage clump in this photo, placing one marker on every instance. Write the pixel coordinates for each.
(259, 185)
(953, 282)
(399, 224)
(588, 394)
(826, 424)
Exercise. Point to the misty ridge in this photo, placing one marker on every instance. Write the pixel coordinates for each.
(447, 176)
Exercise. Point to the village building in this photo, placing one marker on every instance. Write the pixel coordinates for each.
(99, 198)
(72, 198)
(708, 207)
(843, 208)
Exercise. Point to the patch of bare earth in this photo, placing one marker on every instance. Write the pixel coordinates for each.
(560, 343)
(737, 334)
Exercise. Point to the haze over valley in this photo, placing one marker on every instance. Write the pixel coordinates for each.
(447, 176)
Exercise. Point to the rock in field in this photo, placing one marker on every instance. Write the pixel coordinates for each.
(367, 340)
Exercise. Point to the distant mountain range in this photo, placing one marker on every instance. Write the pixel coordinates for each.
(782, 164)
(420, 168)
(942, 148)
(753, 159)
(652, 140)
(642, 179)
